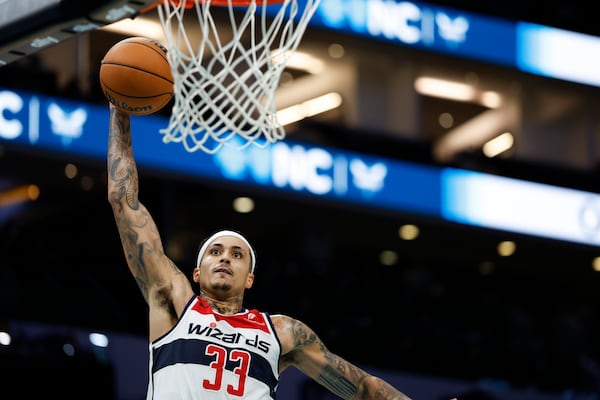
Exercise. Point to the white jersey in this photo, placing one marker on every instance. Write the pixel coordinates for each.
(211, 356)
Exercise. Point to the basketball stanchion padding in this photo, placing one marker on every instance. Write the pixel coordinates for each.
(227, 66)
(135, 76)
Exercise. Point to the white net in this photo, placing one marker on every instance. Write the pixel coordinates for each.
(226, 68)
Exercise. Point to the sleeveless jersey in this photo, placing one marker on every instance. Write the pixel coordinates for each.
(211, 356)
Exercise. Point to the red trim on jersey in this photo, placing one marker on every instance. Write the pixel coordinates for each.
(250, 319)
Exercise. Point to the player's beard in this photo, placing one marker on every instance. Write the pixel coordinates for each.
(221, 287)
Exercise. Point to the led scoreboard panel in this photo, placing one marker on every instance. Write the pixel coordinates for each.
(531, 48)
(73, 128)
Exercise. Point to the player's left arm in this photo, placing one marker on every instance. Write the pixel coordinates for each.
(302, 348)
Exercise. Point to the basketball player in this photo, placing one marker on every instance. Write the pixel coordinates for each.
(206, 345)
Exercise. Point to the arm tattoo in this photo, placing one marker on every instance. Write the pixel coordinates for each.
(122, 170)
(337, 383)
(340, 380)
(335, 374)
(125, 177)
(123, 196)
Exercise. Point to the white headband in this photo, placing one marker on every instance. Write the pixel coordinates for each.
(219, 234)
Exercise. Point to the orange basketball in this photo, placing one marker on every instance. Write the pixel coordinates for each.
(136, 77)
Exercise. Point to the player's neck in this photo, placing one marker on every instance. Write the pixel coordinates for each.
(227, 306)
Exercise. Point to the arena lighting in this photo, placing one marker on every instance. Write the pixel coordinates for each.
(476, 132)
(444, 89)
(243, 205)
(506, 248)
(490, 99)
(5, 338)
(408, 232)
(457, 91)
(302, 61)
(309, 108)
(19, 194)
(596, 264)
(388, 257)
(98, 339)
(498, 145)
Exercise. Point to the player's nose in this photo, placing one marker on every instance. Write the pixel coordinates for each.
(226, 256)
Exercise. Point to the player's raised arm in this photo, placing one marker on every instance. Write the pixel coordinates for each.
(303, 349)
(139, 235)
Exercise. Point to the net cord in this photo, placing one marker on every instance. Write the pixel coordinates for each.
(225, 87)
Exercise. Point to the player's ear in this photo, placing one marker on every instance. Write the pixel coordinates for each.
(196, 274)
(249, 281)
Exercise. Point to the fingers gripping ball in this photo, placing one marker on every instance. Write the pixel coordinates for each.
(136, 77)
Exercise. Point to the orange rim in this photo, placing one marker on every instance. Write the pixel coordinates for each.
(190, 3)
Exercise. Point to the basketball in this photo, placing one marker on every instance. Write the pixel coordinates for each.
(136, 77)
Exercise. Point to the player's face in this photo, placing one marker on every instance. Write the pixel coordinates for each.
(225, 267)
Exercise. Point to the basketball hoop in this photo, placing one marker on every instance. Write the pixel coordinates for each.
(225, 83)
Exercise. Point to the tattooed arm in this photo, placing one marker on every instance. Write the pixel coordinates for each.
(164, 287)
(302, 349)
